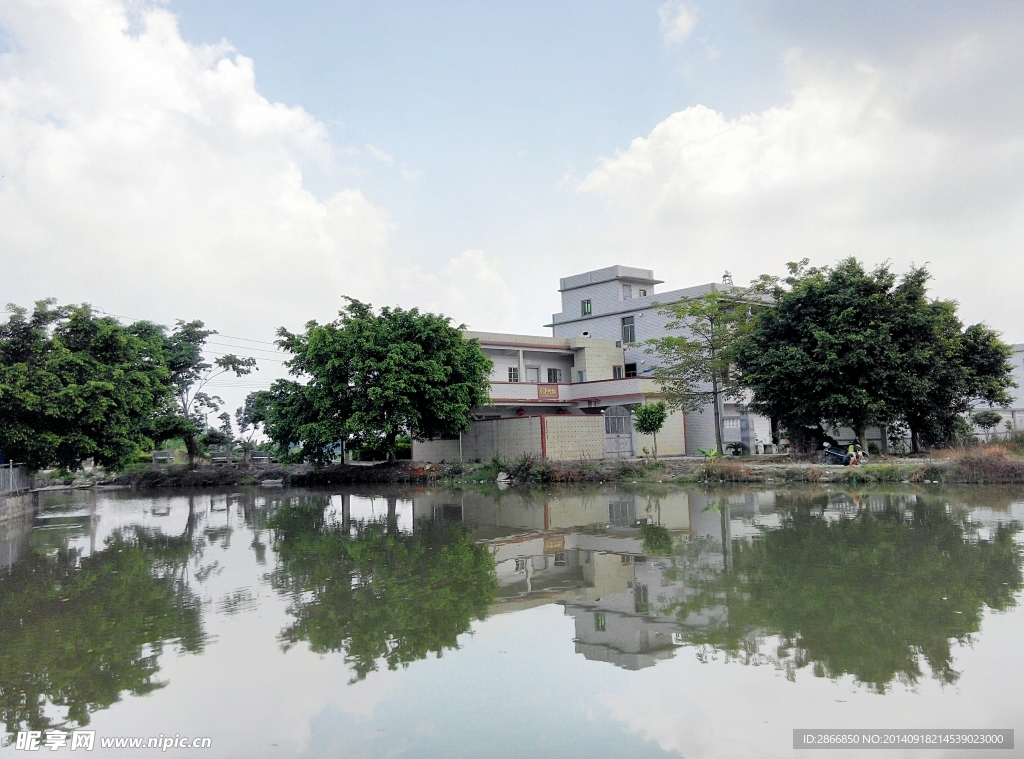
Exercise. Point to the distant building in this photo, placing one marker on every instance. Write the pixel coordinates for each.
(570, 396)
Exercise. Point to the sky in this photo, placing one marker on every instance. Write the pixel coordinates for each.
(249, 163)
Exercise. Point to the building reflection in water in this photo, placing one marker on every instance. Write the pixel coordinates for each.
(585, 551)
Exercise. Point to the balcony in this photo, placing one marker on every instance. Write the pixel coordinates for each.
(507, 393)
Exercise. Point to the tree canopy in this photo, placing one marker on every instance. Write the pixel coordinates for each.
(649, 419)
(378, 594)
(78, 632)
(190, 374)
(869, 596)
(372, 377)
(75, 385)
(696, 364)
(842, 346)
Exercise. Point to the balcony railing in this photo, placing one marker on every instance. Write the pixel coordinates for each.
(547, 392)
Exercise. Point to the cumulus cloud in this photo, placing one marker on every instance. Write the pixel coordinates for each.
(676, 21)
(883, 163)
(149, 176)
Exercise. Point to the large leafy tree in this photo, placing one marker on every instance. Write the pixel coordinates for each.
(375, 376)
(190, 374)
(75, 385)
(843, 346)
(951, 370)
(78, 632)
(873, 596)
(376, 593)
(696, 363)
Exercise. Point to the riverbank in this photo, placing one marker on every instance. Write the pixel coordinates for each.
(975, 466)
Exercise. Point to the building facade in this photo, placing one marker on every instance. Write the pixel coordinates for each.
(571, 395)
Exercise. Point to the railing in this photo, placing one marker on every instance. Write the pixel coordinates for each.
(13, 478)
(506, 392)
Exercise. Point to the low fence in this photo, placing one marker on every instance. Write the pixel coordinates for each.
(13, 479)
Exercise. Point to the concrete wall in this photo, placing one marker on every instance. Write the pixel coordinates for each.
(700, 431)
(568, 438)
(671, 439)
(508, 439)
(574, 438)
(595, 358)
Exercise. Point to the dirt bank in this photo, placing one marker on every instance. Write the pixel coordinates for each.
(982, 466)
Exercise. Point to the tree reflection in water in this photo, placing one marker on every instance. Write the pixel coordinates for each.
(377, 593)
(78, 632)
(869, 596)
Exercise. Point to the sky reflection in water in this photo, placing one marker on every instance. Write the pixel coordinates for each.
(597, 622)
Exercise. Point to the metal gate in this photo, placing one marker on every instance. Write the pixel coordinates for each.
(13, 478)
(618, 433)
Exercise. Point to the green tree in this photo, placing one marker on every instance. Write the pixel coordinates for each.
(190, 375)
(78, 632)
(375, 376)
(949, 371)
(696, 366)
(74, 385)
(868, 596)
(249, 418)
(841, 346)
(649, 419)
(986, 419)
(376, 593)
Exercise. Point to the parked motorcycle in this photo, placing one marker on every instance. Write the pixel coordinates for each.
(836, 455)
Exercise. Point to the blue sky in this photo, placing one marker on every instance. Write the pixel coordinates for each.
(247, 163)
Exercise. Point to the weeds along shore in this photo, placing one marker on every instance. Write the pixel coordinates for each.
(978, 465)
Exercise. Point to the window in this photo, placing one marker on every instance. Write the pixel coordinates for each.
(559, 559)
(640, 598)
(626, 559)
(616, 424)
(513, 374)
(641, 293)
(630, 370)
(628, 330)
(520, 566)
(533, 374)
(585, 307)
(579, 376)
(621, 514)
(599, 622)
(627, 292)
(731, 424)
(554, 375)
(616, 372)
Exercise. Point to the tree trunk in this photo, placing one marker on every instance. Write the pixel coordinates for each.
(191, 448)
(391, 437)
(392, 523)
(885, 440)
(862, 436)
(718, 418)
(914, 443)
(655, 446)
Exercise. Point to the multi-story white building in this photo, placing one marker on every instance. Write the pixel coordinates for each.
(570, 396)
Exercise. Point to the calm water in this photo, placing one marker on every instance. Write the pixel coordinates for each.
(603, 622)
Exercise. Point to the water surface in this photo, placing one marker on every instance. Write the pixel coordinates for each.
(599, 622)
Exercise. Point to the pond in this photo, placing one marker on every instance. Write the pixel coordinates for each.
(431, 622)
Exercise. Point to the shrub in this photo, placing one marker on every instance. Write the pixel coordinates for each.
(657, 541)
(626, 470)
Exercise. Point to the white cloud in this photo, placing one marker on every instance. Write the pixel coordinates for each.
(878, 163)
(150, 177)
(676, 21)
